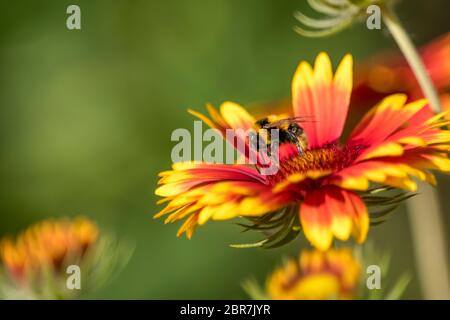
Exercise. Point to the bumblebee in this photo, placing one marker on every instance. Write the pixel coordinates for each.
(289, 131)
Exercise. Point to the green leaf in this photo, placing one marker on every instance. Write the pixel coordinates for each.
(382, 213)
(376, 223)
(399, 288)
(267, 223)
(325, 32)
(322, 7)
(317, 23)
(254, 227)
(379, 189)
(266, 217)
(386, 200)
(285, 239)
(249, 245)
(283, 236)
(254, 290)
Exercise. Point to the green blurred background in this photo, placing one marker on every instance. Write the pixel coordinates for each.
(86, 118)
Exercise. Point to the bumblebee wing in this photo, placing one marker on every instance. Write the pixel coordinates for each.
(300, 117)
(287, 120)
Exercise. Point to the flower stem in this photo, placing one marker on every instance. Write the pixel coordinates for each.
(424, 211)
(412, 56)
(428, 239)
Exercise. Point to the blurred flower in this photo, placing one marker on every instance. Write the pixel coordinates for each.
(339, 14)
(34, 264)
(46, 245)
(325, 191)
(390, 73)
(333, 274)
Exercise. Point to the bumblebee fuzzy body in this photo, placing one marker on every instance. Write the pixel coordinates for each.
(288, 129)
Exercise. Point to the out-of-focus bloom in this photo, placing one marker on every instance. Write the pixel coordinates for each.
(317, 275)
(47, 245)
(390, 73)
(35, 263)
(344, 273)
(328, 187)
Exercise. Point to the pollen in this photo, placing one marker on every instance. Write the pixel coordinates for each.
(329, 158)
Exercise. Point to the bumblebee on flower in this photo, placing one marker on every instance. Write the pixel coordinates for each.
(325, 188)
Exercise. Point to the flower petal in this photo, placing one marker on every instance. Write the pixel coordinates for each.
(333, 211)
(200, 192)
(317, 95)
(232, 116)
(236, 116)
(387, 122)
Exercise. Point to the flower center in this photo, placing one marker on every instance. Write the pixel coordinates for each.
(328, 158)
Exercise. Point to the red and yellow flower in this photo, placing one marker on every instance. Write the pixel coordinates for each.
(390, 73)
(316, 275)
(39, 263)
(47, 245)
(393, 143)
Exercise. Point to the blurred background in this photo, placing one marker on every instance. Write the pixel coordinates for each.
(86, 117)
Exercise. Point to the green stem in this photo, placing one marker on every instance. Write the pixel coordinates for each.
(412, 56)
(427, 230)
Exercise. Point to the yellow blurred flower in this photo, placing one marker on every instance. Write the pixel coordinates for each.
(39, 262)
(317, 275)
(47, 245)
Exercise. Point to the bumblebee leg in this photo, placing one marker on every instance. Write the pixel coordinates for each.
(299, 148)
(269, 151)
(294, 139)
